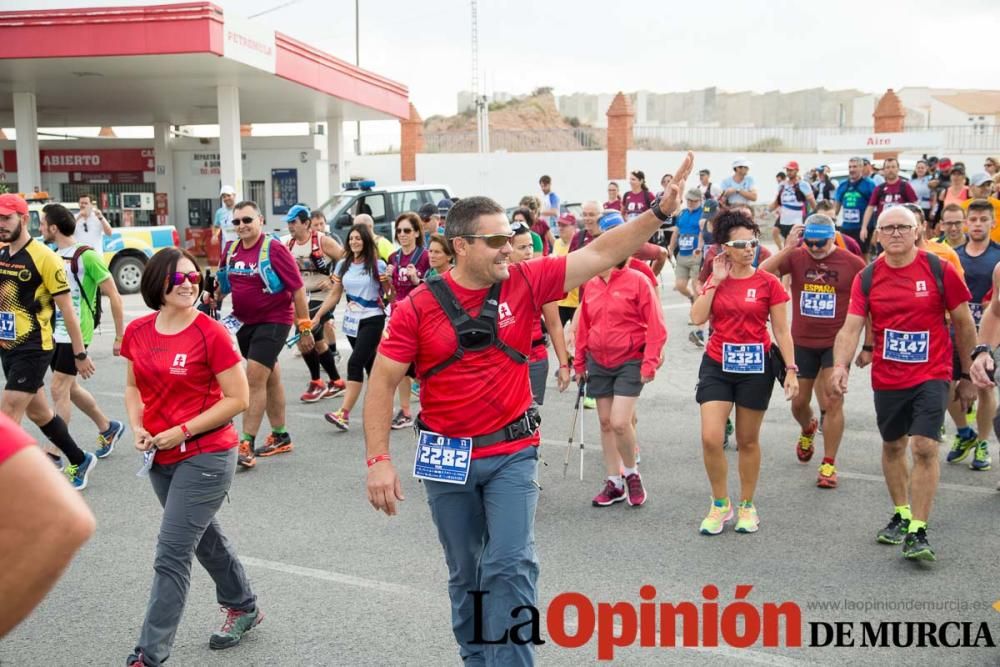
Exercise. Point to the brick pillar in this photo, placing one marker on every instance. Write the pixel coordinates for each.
(620, 117)
(889, 116)
(411, 142)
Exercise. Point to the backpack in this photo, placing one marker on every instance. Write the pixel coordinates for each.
(96, 308)
(272, 281)
(417, 254)
(316, 253)
(868, 274)
(484, 325)
(708, 192)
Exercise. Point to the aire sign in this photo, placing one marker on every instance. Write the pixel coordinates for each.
(889, 141)
(101, 160)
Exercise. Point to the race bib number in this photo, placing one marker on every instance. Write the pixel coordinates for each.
(907, 347)
(977, 312)
(352, 319)
(442, 459)
(818, 304)
(748, 358)
(7, 331)
(147, 463)
(686, 242)
(232, 324)
(852, 216)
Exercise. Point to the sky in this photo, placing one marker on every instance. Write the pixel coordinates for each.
(662, 46)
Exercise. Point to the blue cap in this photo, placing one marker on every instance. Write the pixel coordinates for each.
(819, 232)
(444, 206)
(295, 211)
(610, 220)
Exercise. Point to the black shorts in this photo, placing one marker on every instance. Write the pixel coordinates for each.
(63, 360)
(956, 363)
(811, 360)
(784, 229)
(915, 411)
(604, 382)
(747, 390)
(262, 342)
(25, 369)
(313, 309)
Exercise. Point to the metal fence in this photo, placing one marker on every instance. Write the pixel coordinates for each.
(963, 138)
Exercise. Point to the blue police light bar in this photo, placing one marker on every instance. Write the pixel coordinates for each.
(359, 185)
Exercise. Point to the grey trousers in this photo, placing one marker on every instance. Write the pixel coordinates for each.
(191, 492)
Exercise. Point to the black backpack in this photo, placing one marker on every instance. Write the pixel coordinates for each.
(95, 308)
(868, 273)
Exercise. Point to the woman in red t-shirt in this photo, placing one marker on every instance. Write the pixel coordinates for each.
(614, 202)
(736, 367)
(184, 385)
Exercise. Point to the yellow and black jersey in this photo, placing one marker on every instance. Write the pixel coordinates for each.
(28, 281)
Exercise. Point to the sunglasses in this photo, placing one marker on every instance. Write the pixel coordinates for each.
(179, 277)
(742, 245)
(495, 241)
(816, 244)
(245, 221)
(404, 230)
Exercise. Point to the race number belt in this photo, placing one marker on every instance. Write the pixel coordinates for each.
(522, 427)
(907, 347)
(743, 357)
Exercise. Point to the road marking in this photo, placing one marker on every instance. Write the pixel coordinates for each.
(746, 655)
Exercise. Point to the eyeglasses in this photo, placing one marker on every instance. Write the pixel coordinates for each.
(894, 230)
(816, 245)
(404, 230)
(742, 245)
(192, 277)
(952, 223)
(245, 221)
(495, 241)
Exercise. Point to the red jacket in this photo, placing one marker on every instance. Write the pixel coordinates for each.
(620, 320)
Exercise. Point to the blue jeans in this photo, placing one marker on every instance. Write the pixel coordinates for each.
(487, 529)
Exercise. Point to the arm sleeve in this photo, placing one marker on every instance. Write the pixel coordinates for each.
(222, 352)
(955, 290)
(399, 340)
(284, 265)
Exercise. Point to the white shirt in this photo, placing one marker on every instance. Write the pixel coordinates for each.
(90, 231)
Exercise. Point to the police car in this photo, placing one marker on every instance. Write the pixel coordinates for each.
(383, 204)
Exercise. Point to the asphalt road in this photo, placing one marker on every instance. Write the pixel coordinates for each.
(342, 585)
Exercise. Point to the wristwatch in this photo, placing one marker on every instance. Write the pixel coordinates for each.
(81, 357)
(657, 211)
(979, 349)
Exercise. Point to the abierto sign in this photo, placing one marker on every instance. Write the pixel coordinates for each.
(890, 141)
(249, 43)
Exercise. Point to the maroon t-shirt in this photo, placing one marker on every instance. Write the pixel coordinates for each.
(251, 305)
(635, 203)
(401, 283)
(821, 291)
(886, 195)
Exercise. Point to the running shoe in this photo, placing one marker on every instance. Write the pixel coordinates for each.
(961, 448)
(338, 419)
(636, 492)
(335, 388)
(610, 495)
(804, 447)
(747, 520)
(106, 441)
(275, 444)
(237, 624)
(315, 391)
(715, 522)
(894, 532)
(401, 421)
(135, 660)
(981, 460)
(696, 338)
(79, 475)
(589, 403)
(245, 457)
(916, 547)
(827, 476)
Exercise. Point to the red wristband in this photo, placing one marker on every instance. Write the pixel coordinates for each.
(187, 434)
(380, 457)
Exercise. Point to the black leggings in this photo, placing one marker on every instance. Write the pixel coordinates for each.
(363, 347)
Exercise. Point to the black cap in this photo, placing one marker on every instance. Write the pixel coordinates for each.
(427, 211)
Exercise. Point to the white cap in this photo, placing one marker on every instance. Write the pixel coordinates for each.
(741, 162)
(980, 179)
(227, 190)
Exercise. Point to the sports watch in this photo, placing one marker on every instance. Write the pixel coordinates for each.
(979, 349)
(81, 357)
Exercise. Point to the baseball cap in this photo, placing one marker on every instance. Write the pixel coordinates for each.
(610, 220)
(792, 164)
(444, 206)
(567, 219)
(427, 211)
(704, 171)
(709, 209)
(295, 211)
(982, 178)
(11, 203)
(741, 162)
(819, 227)
(227, 190)
(944, 164)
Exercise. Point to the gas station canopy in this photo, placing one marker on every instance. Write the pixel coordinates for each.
(165, 64)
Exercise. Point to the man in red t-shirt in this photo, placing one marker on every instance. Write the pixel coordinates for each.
(478, 431)
(43, 524)
(908, 294)
(821, 278)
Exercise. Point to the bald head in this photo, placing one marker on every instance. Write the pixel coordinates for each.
(364, 219)
(897, 215)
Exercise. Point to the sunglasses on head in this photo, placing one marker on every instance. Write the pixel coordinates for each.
(495, 241)
(179, 277)
(244, 221)
(743, 244)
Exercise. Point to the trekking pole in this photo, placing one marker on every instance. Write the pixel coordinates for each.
(576, 418)
(581, 438)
